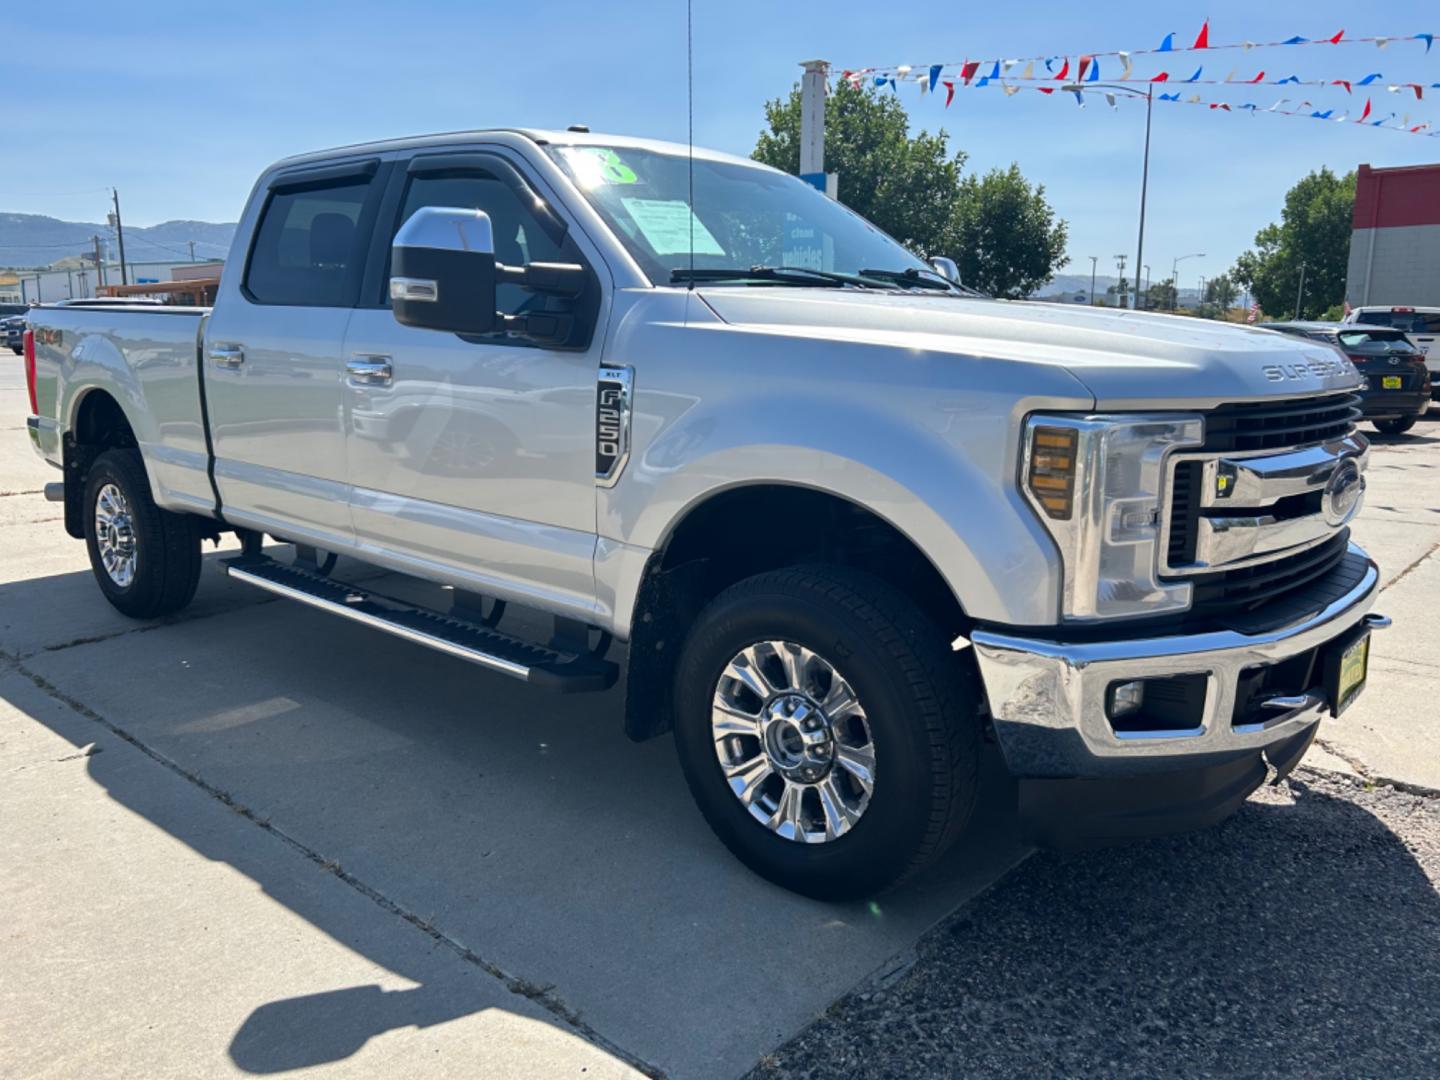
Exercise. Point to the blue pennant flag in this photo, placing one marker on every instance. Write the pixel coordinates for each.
(1429, 40)
(1094, 75)
(1290, 79)
(1192, 78)
(934, 75)
(880, 80)
(1323, 115)
(1296, 40)
(1168, 45)
(1369, 79)
(1170, 97)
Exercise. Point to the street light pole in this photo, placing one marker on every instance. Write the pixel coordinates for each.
(1175, 272)
(1144, 189)
(1300, 292)
(1149, 96)
(1093, 261)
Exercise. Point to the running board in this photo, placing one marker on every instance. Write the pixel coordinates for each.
(564, 672)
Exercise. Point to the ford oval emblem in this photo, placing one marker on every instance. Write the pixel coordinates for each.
(1341, 497)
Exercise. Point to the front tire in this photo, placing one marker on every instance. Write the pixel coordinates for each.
(145, 559)
(828, 734)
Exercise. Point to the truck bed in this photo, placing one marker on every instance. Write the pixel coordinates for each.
(147, 359)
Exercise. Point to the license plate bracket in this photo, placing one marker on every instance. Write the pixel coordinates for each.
(1346, 668)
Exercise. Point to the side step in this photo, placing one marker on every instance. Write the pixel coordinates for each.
(539, 665)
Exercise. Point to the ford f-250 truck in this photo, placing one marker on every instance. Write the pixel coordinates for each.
(830, 517)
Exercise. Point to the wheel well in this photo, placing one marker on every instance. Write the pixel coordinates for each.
(745, 531)
(748, 530)
(100, 425)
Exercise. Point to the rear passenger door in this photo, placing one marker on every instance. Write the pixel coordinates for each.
(272, 360)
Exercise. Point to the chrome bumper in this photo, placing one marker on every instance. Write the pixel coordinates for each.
(1047, 699)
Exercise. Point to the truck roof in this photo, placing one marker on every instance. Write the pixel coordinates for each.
(539, 136)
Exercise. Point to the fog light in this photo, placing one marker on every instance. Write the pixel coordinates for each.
(1126, 698)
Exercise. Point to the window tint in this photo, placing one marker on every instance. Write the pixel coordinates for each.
(308, 247)
(519, 237)
(1412, 322)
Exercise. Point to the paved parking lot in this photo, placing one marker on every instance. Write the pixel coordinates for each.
(252, 839)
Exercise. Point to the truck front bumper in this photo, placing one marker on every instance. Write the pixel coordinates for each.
(1082, 781)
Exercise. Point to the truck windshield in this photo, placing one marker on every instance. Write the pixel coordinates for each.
(744, 217)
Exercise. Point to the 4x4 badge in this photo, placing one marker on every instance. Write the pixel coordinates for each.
(613, 390)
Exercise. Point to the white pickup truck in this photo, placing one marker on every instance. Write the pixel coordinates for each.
(833, 519)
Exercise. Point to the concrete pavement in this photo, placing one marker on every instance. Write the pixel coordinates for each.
(304, 845)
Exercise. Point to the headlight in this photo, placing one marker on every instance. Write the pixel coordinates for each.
(1097, 483)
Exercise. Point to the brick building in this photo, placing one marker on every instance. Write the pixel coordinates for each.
(1395, 242)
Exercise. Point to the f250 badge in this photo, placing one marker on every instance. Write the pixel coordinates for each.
(613, 390)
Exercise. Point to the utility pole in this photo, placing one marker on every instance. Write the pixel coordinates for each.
(1300, 292)
(1120, 264)
(1147, 282)
(192, 249)
(813, 88)
(1093, 261)
(120, 237)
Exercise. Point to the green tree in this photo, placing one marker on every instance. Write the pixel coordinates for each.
(1161, 296)
(1313, 232)
(1009, 241)
(1001, 232)
(1221, 291)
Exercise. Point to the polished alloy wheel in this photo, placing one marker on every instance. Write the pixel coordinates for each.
(115, 535)
(793, 741)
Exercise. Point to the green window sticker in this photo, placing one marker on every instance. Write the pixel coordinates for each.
(666, 223)
(596, 165)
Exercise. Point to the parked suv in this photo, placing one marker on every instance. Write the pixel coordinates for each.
(1397, 388)
(828, 517)
(1420, 324)
(13, 327)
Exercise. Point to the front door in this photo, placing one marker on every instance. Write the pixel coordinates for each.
(474, 458)
(272, 355)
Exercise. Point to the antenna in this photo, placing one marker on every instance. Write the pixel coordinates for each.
(690, 122)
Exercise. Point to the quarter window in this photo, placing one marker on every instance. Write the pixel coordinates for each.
(308, 246)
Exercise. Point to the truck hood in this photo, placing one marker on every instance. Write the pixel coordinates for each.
(1126, 359)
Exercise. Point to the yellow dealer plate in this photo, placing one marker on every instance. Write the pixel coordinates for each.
(1354, 666)
(1390, 382)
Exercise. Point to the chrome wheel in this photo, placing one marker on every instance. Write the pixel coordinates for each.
(115, 535)
(793, 741)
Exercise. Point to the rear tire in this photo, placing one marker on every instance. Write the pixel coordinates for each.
(915, 723)
(1395, 427)
(146, 560)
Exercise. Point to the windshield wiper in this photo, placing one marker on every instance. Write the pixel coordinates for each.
(920, 279)
(780, 275)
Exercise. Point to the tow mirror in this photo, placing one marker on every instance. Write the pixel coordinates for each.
(946, 268)
(442, 266)
(444, 276)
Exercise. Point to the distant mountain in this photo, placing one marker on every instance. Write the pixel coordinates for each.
(33, 240)
(1069, 284)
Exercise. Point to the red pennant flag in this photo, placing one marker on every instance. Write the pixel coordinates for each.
(949, 92)
(1366, 113)
(1258, 78)
(1419, 91)
(1203, 40)
(968, 69)
(1045, 89)
(1336, 39)
(1064, 71)
(1084, 63)
(1341, 82)
(1164, 76)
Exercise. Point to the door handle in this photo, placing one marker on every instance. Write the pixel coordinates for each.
(369, 370)
(231, 356)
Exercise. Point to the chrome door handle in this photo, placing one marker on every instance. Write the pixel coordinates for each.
(369, 370)
(231, 356)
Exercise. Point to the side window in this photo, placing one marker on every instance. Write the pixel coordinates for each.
(1375, 318)
(308, 248)
(519, 237)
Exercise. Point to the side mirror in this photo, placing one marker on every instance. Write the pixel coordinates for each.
(442, 266)
(946, 268)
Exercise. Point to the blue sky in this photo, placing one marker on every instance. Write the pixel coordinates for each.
(181, 104)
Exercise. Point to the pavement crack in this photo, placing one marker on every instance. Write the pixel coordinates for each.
(1406, 572)
(543, 996)
(26, 491)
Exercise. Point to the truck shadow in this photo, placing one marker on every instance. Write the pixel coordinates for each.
(1301, 938)
(519, 835)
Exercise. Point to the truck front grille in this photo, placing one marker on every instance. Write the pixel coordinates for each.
(1227, 496)
(1281, 424)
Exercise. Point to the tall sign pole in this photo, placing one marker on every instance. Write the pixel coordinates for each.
(812, 125)
(120, 238)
